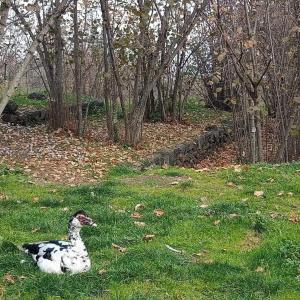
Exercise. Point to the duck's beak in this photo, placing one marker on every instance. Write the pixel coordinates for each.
(89, 221)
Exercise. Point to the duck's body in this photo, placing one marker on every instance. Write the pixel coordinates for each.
(63, 256)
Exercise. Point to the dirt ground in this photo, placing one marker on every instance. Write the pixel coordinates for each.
(59, 157)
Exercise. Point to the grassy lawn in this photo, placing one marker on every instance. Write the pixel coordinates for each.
(233, 244)
(23, 101)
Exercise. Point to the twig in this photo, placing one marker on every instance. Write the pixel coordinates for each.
(174, 250)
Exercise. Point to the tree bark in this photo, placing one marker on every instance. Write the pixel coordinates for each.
(4, 10)
(77, 72)
(30, 53)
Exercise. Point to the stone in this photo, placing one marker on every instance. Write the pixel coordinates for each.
(11, 107)
(10, 118)
(37, 96)
(189, 153)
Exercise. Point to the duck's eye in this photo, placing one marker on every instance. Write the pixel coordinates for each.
(84, 220)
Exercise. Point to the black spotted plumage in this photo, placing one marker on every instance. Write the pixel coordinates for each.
(56, 256)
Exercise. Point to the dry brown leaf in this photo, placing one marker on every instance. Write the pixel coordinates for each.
(148, 237)
(9, 278)
(217, 222)
(139, 224)
(35, 229)
(233, 216)
(294, 218)
(274, 215)
(290, 194)
(136, 215)
(203, 206)
(159, 212)
(231, 184)
(139, 206)
(102, 271)
(119, 248)
(3, 196)
(258, 193)
(208, 261)
(281, 193)
(260, 269)
(202, 170)
(174, 183)
(237, 169)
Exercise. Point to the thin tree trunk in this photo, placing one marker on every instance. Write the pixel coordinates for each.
(109, 34)
(4, 10)
(155, 75)
(77, 72)
(21, 71)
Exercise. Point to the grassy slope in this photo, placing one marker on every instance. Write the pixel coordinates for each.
(229, 253)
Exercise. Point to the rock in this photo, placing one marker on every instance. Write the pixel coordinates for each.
(33, 117)
(11, 107)
(10, 118)
(188, 153)
(36, 96)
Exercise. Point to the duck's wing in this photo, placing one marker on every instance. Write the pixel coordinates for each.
(45, 249)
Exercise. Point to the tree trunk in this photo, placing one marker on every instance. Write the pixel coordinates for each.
(57, 117)
(4, 10)
(21, 71)
(77, 72)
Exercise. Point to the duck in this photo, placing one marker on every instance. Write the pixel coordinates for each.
(60, 257)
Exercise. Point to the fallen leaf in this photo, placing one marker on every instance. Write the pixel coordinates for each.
(159, 212)
(139, 224)
(65, 209)
(217, 222)
(203, 206)
(274, 215)
(290, 194)
(139, 206)
(148, 237)
(119, 248)
(231, 184)
(294, 218)
(281, 193)
(36, 229)
(208, 261)
(202, 170)
(174, 183)
(260, 269)
(233, 216)
(237, 169)
(258, 193)
(9, 278)
(35, 199)
(102, 271)
(136, 215)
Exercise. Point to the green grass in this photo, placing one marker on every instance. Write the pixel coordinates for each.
(236, 245)
(23, 101)
(197, 111)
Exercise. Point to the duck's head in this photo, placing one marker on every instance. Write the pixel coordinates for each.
(81, 218)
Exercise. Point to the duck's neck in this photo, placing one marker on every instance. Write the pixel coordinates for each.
(74, 235)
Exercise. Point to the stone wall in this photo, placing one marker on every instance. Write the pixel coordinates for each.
(33, 116)
(188, 153)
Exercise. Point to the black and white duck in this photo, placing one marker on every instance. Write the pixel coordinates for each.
(63, 256)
